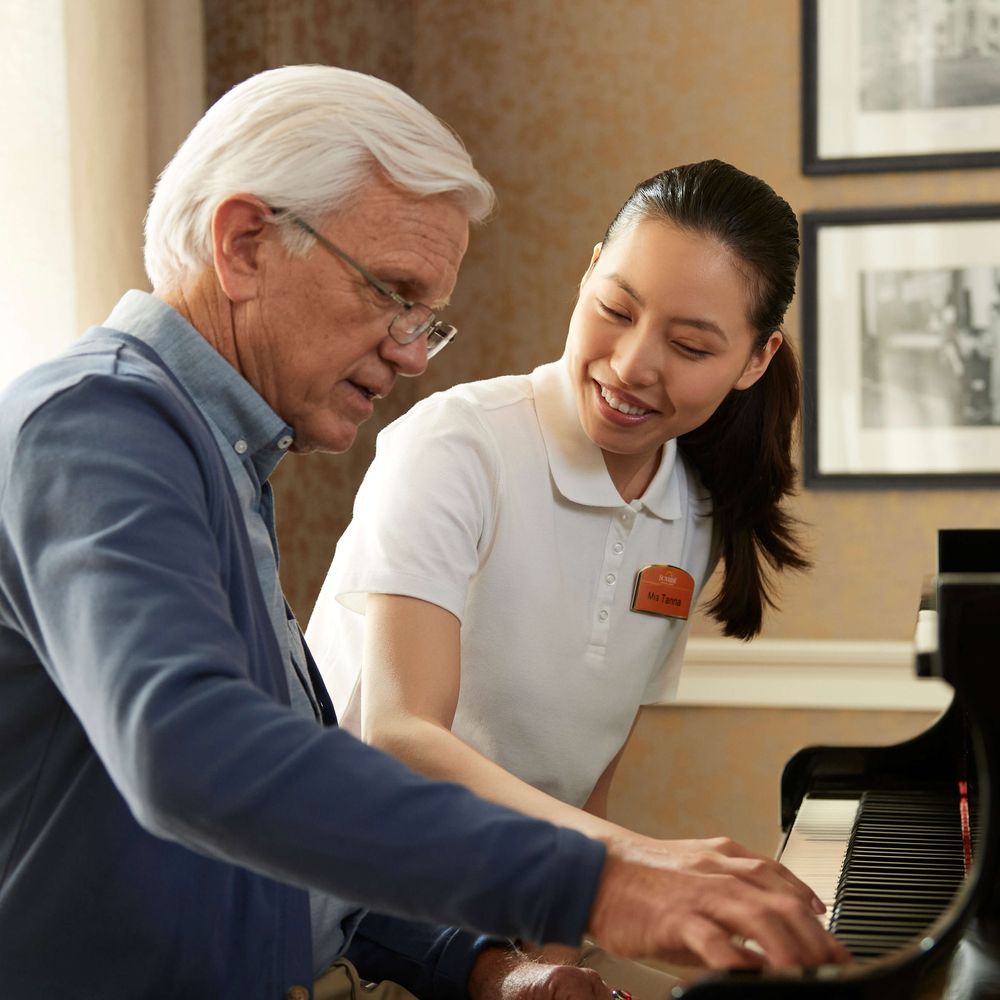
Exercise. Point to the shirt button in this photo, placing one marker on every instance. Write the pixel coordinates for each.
(610, 578)
(626, 516)
(603, 616)
(284, 443)
(240, 447)
(618, 547)
(296, 993)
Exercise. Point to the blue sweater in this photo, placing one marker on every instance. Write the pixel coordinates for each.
(162, 810)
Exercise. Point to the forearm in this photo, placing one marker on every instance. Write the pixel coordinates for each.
(433, 750)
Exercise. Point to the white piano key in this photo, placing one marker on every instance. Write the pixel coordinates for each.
(925, 638)
(817, 844)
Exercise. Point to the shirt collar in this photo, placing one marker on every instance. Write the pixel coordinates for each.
(577, 464)
(226, 399)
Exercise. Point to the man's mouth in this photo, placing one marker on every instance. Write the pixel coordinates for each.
(366, 391)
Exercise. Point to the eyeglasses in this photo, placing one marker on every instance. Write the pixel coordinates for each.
(414, 318)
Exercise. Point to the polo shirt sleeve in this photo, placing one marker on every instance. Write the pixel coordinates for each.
(425, 514)
(113, 528)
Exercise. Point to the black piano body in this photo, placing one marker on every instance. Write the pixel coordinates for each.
(957, 956)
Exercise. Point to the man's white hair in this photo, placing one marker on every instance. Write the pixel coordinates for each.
(305, 139)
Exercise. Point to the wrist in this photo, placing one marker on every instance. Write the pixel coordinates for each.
(492, 966)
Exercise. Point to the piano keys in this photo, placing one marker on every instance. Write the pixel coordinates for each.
(903, 842)
(817, 845)
(886, 864)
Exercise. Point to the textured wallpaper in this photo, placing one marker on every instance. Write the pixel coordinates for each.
(564, 105)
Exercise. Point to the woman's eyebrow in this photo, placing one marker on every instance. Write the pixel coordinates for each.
(699, 324)
(625, 287)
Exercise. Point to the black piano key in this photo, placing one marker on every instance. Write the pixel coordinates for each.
(903, 867)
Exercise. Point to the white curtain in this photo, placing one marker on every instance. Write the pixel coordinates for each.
(94, 97)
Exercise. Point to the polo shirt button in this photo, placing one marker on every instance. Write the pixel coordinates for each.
(618, 547)
(610, 578)
(296, 993)
(240, 447)
(603, 616)
(284, 443)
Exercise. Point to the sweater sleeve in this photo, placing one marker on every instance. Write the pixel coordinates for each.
(112, 568)
(432, 962)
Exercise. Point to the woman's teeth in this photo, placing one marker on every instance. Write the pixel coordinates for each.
(617, 404)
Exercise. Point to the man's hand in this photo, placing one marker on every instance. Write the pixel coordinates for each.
(683, 915)
(510, 975)
(721, 856)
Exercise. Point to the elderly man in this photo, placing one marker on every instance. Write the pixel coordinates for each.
(179, 816)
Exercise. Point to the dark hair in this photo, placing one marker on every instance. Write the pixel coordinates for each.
(743, 452)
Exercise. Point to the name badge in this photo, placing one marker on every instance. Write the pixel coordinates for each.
(663, 590)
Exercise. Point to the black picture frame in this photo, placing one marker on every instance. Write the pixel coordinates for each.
(839, 136)
(900, 311)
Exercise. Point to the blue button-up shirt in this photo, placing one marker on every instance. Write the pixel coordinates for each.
(161, 809)
(252, 439)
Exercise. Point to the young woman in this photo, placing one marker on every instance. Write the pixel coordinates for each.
(525, 550)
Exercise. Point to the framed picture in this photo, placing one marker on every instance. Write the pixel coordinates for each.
(901, 347)
(900, 85)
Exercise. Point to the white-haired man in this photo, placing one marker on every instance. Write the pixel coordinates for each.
(179, 817)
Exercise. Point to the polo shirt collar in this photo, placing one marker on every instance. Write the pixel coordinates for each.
(577, 464)
(226, 399)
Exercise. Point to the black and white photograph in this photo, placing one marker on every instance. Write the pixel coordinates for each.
(901, 345)
(900, 84)
(930, 354)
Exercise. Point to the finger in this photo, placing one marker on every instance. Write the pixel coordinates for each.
(767, 874)
(788, 934)
(715, 947)
(572, 982)
(731, 849)
(816, 904)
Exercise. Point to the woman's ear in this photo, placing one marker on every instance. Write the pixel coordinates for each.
(759, 361)
(593, 260)
(238, 229)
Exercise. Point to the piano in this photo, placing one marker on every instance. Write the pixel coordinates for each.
(903, 842)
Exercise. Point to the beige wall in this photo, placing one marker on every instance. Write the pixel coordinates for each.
(697, 772)
(565, 104)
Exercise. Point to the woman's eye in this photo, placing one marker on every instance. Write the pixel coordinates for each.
(692, 352)
(613, 313)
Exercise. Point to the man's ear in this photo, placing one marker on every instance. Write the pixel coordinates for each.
(239, 225)
(759, 361)
(593, 260)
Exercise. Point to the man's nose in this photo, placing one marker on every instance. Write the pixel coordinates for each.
(408, 359)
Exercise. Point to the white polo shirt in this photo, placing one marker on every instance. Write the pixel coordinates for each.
(490, 501)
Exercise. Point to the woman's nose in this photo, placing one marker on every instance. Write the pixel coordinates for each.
(637, 358)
